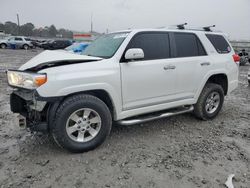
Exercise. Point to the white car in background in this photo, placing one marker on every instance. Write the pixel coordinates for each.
(16, 42)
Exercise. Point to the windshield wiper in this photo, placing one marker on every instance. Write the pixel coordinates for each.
(104, 57)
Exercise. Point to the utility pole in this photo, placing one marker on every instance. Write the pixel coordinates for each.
(18, 23)
(91, 26)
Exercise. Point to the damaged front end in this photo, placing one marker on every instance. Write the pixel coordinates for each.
(33, 113)
(25, 100)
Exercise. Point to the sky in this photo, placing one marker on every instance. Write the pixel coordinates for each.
(230, 16)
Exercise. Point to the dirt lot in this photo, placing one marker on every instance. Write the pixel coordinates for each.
(176, 152)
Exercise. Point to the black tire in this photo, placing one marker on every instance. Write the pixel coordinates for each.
(25, 46)
(200, 107)
(70, 106)
(3, 46)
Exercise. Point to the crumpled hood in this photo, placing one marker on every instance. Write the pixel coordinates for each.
(56, 57)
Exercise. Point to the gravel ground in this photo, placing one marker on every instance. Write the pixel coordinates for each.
(180, 151)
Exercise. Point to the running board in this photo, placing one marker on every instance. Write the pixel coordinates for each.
(150, 117)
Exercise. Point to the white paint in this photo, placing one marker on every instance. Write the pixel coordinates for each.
(137, 87)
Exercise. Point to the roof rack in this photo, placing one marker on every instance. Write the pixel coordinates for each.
(181, 26)
(208, 28)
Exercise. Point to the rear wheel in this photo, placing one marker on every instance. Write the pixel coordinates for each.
(25, 46)
(210, 102)
(82, 123)
(3, 46)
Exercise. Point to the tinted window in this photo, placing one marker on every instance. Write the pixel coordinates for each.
(188, 45)
(154, 45)
(18, 39)
(219, 43)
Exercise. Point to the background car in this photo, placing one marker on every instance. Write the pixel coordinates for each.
(56, 44)
(77, 47)
(243, 57)
(16, 42)
(37, 42)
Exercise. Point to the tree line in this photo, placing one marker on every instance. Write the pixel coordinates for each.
(29, 29)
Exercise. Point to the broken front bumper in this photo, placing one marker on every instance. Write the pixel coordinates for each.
(32, 108)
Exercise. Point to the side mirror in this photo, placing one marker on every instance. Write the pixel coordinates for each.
(134, 53)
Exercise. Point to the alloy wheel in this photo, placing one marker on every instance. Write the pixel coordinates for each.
(83, 125)
(212, 102)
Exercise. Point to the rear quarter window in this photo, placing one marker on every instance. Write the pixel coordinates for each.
(219, 43)
(188, 45)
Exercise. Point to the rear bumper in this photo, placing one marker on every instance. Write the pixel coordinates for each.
(232, 85)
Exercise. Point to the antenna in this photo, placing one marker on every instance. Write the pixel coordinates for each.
(181, 26)
(208, 28)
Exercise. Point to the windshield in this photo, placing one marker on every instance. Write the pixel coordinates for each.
(10, 38)
(106, 45)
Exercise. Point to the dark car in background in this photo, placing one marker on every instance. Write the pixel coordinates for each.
(55, 44)
(244, 58)
(37, 42)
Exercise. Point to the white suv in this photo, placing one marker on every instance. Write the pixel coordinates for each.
(16, 42)
(126, 77)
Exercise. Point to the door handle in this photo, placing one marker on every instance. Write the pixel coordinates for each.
(169, 67)
(205, 63)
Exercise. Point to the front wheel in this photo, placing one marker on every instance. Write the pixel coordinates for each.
(210, 102)
(3, 46)
(82, 123)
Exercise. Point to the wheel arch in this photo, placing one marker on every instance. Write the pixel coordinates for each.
(99, 93)
(4, 43)
(220, 79)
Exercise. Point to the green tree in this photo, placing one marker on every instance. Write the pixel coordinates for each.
(27, 29)
(1, 27)
(65, 33)
(11, 28)
(52, 31)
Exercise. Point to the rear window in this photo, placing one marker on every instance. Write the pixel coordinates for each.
(188, 45)
(219, 43)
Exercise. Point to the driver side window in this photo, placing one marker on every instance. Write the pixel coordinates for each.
(155, 45)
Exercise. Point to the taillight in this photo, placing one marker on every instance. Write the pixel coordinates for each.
(236, 58)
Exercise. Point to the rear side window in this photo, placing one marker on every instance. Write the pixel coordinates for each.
(219, 43)
(188, 45)
(154, 45)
